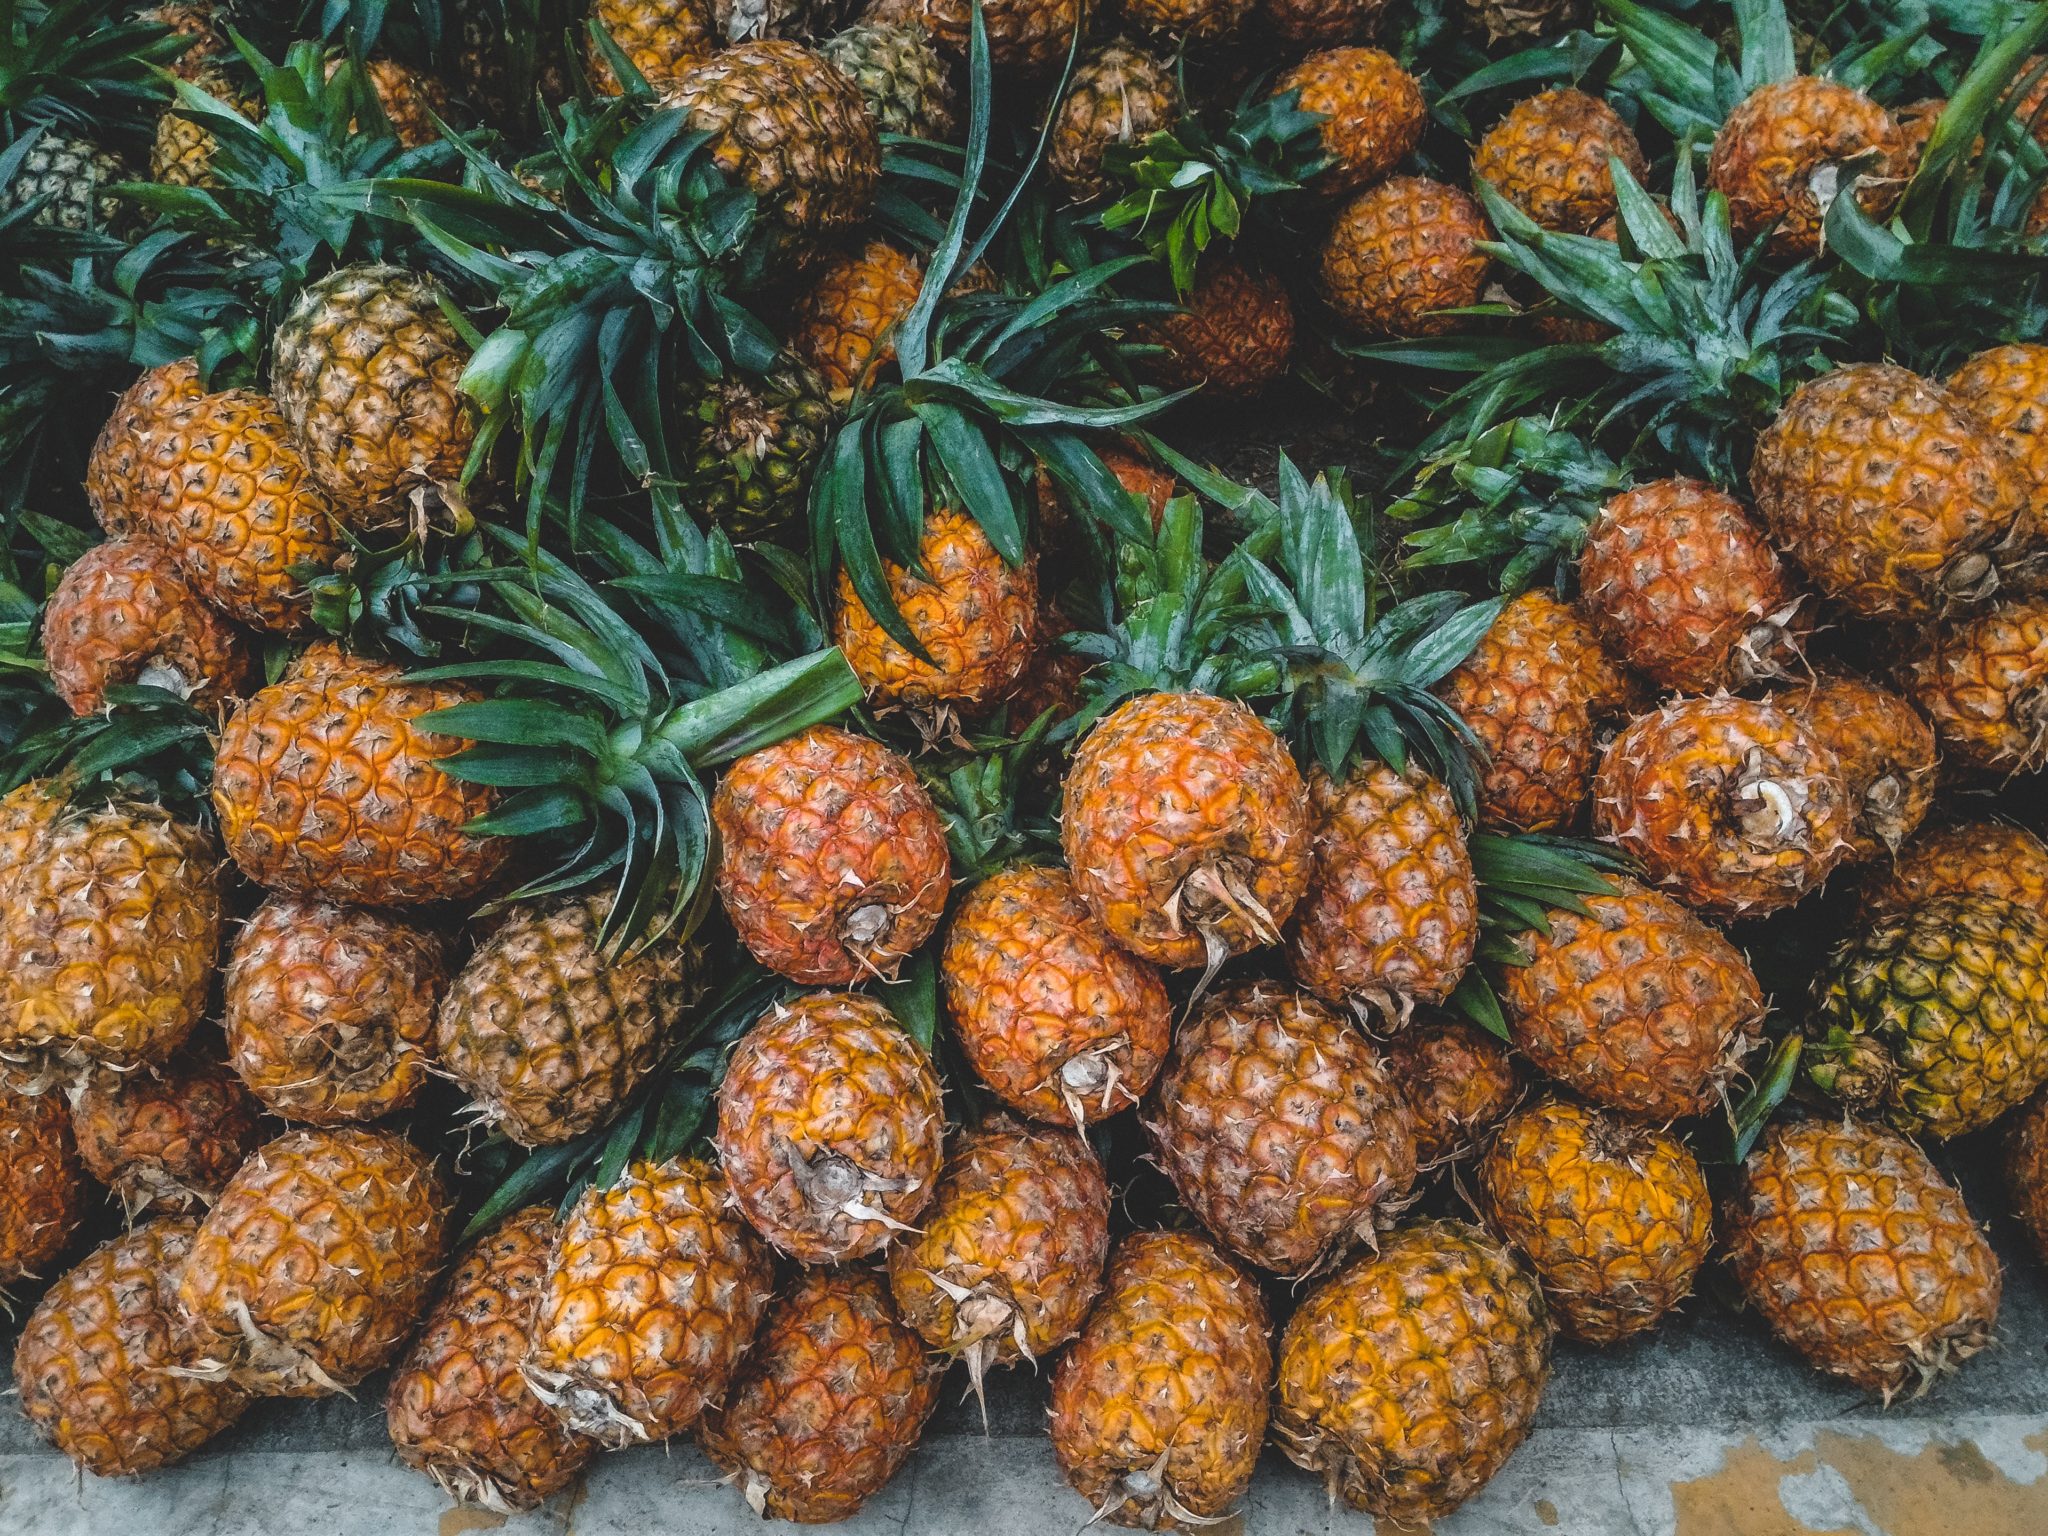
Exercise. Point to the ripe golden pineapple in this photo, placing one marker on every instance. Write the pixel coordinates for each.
(1186, 826)
(1159, 1408)
(1886, 751)
(1636, 1004)
(121, 482)
(1729, 803)
(1391, 917)
(1888, 493)
(459, 1408)
(832, 861)
(125, 614)
(1975, 858)
(99, 1365)
(793, 130)
(662, 38)
(329, 1010)
(1684, 587)
(367, 368)
(899, 74)
(1400, 253)
(1983, 681)
(1787, 148)
(2027, 1171)
(1119, 96)
(1282, 1129)
(2006, 390)
(1860, 1255)
(1321, 23)
(845, 318)
(1234, 334)
(181, 155)
(547, 1030)
(42, 1185)
(1408, 1379)
(1061, 1023)
(410, 99)
(1024, 36)
(315, 1262)
(1549, 157)
(830, 1402)
(1534, 691)
(830, 1127)
(166, 1140)
(326, 786)
(650, 1300)
(1614, 1218)
(1372, 109)
(110, 922)
(1459, 1081)
(1187, 21)
(197, 20)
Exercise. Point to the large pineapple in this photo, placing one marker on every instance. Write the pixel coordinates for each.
(42, 1185)
(327, 785)
(1974, 858)
(1636, 1003)
(1614, 1218)
(899, 74)
(1860, 1255)
(1119, 96)
(1783, 152)
(1159, 1408)
(548, 1030)
(1372, 113)
(167, 1140)
(751, 444)
(830, 1128)
(845, 318)
(2006, 389)
(662, 39)
(832, 862)
(1407, 1380)
(125, 614)
(329, 1010)
(1886, 751)
(1233, 334)
(110, 927)
(651, 1298)
(1459, 1081)
(828, 1404)
(1282, 1130)
(1060, 1022)
(99, 1366)
(1186, 826)
(122, 481)
(1549, 157)
(1400, 253)
(316, 1262)
(459, 1408)
(1983, 681)
(73, 179)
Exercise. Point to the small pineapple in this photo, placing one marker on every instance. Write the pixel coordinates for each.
(1502, 20)
(2006, 390)
(1459, 1080)
(662, 39)
(1372, 109)
(1118, 97)
(1187, 21)
(833, 862)
(122, 481)
(830, 1128)
(1785, 149)
(899, 74)
(1983, 681)
(1321, 23)
(1549, 157)
(751, 445)
(1887, 754)
(124, 614)
(1970, 858)
(1027, 37)
(1403, 252)
(1233, 335)
(168, 1140)
(846, 316)
(42, 1184)
(77, 178)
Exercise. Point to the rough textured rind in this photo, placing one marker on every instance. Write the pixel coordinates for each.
(120, 483)
(662, 39)
(1782, 136)
(1984, 683)
(1233, 335)
(124, 613)
(1027, 36)
(1402, 251)
(899, 74)
(2026, 1171)
(1549, 157)
(165, 1141)
(42, 1185)
(1983, 858)
(1118, 97)
(1373, 113)
(1889, 762)
(2006, 390)
(1321, 23)
(1459, 1080)
(1182, 21)
(844, 321)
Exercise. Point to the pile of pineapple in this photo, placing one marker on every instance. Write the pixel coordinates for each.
(653, 781)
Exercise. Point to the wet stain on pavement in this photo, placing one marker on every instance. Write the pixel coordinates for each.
(461, 1520)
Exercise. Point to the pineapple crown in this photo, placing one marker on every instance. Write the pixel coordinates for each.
(981, 792)
(68, 64)
(146, 744)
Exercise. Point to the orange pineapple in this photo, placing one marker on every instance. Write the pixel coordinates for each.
(1321, 23)
(1886, 751)
(1233, 335)
(1185, 21)
(846, 317)
(1970, 858)
(120, 481)
(1788, 138)
(662, 38)
(125, 614)
(1026, 36)
(2006, 390)
(1983, 681)
(1549, 157)
(167, 1140)
(1400, 253)
(42, 1185)
(1372, 109)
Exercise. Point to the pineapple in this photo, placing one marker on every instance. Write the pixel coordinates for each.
(1683, 586)
(829, 1127)
(1935, 1018)
(1282, 1129)
(832, 858)
(1971, 858)
(662, 38)
(1186, 825)
(845, 319)
(1408, 1379)
(1502, 20)
(198, 20)
(1061, 1023)
(1860, 1255)
(238, 506)
(1983, 681)
(2027, 1172)
(1372, 113)
(42, 1184)
(1886, 751)
(899, 74)
(1391, 917)
(1119, 96)
(367, 368)
(121, 482)
(1549, 157)
(1784, 153)
(1159, 1407)
(549, 1031)
(1401, 253)
(830, 1402)
(1233, 336)
(459, 1408)
(99, 1365)
(125, 614)
(1321, 23)
(1888, 493)
(2005, 389)
(1917, 121)
(164, 1141)
(409, 98)
(791, 129)
(1636, 1004)
(1027, 37)
(110, 927)
(75, 178)
(752, 444)
(1534, 693)
(1129, 463)
(326, 785)
(1187, 21)
(651, 1298)
(1614, 1218)
(975, 615)
(181, 155)
(1459, 1081)
(329, 1010)
(1731, 804)
(1009, 1256)
(315, 1263)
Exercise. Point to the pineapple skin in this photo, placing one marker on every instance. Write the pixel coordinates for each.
(43, 1190)
(120, 481)
(899, 74)
(1769, 147)
(1459, 1080)
(1890, 763)
(165, 1141)
(124, 613)
(1402, 251)
(1984, 858)
(78, 177)
(1233, 337)
(1983, 681)
(1026, 37)
(1549, 157)
(844, 321)
(2006, 390)
(1373, 113)
(1321, 23)
(664, 39)
(1119, 96)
